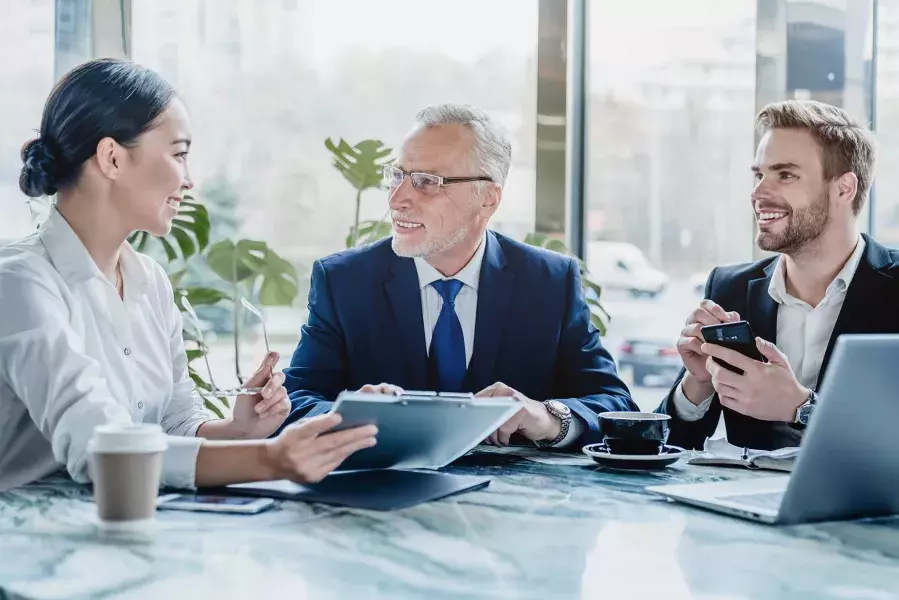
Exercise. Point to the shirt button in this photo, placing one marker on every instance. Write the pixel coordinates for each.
(127, 351)
(140, 405)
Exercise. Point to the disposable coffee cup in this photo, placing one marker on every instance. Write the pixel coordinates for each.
(125, 464)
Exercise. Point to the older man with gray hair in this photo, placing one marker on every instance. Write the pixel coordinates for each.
(448, 305)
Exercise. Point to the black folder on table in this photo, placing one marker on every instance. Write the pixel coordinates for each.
(383, 489)
(417, 433)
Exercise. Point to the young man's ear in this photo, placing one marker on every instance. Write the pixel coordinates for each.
(847, 186)
(109, 156)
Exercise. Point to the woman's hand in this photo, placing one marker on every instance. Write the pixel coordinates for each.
(306, 453)
(259, 415)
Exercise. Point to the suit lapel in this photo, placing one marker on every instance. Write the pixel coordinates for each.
(761, 307)
(404, 295)
(494, 293)
(869, 286)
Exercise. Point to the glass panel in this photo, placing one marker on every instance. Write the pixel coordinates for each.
(818, 50)
(26, 30)
(886, 221)
(267, 82)
(672, 101)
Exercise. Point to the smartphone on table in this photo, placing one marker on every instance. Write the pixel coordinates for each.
(736, 336)
(219, 504)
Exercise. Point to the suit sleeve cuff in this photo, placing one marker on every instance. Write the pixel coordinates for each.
(686, 410)
(575, 430)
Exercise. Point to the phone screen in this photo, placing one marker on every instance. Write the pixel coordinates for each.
(220, 500)
(736, 336)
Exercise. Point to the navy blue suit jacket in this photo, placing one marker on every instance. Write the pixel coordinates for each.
(532, 331)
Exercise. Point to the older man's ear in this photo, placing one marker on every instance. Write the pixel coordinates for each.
(490, 200)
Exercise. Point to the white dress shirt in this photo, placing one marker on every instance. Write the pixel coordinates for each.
(74, 355)
(803, 331)
(466, 305)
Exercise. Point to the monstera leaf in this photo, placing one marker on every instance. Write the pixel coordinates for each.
(369, 231)
(592, 290)
(253, 263)
(189, 235)
(201, 296)
(360, 164)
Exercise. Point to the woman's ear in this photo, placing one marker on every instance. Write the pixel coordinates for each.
(109, 156)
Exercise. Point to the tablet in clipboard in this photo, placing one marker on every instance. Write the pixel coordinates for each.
(420, 430)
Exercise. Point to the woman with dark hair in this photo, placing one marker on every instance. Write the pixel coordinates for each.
(89, 332)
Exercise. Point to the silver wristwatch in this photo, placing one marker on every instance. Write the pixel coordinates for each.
(557, 409)
(804, 412)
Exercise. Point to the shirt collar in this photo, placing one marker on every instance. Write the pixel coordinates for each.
(777, 288)
(73, 262)
(470, 275)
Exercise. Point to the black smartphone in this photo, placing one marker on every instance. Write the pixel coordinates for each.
(736, 336)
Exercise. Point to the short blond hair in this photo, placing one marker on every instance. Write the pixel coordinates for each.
(846, 143)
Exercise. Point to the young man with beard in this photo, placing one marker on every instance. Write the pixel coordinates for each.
(813, 169)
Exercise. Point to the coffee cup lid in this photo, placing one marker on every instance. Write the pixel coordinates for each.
(129, 437)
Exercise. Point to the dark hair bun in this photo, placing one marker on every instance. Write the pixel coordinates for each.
(38, 176)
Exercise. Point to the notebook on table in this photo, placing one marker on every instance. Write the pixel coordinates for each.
(720, 453)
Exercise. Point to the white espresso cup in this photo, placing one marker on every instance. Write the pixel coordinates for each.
(125, 467)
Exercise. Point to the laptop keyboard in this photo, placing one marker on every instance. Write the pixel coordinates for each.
(767, 500)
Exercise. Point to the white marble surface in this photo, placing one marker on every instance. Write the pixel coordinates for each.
(546, 527)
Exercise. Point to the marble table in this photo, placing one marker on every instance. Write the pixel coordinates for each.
(548, 526)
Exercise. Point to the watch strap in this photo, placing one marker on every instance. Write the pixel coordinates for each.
(565, 417)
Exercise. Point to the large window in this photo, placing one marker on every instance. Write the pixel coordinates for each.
(673, 89)
(671, 107)
(886, 207)
(26, 73)
(267, 82)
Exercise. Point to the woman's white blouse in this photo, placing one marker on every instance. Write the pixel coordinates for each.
(73, 355)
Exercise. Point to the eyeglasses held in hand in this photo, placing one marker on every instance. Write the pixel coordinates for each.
(195, 321)
(426, 183)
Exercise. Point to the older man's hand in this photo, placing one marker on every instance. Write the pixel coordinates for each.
(533, 421)
(387, 389)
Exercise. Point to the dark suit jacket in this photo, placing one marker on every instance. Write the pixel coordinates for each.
(532, 331)
(871, 306)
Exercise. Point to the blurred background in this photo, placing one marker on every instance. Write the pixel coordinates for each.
(631, 124)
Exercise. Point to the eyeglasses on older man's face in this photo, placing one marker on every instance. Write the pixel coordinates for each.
(426, 183)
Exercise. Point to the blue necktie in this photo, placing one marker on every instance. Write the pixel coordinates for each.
(447, 351)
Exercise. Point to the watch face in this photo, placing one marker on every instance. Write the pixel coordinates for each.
(805, 412)
(557, 407)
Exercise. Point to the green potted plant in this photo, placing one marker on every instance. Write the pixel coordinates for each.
(245, 268)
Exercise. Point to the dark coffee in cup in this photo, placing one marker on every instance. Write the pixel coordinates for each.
(634, 432)
(125, 467)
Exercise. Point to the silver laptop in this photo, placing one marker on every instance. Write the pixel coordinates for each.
(848, 465)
